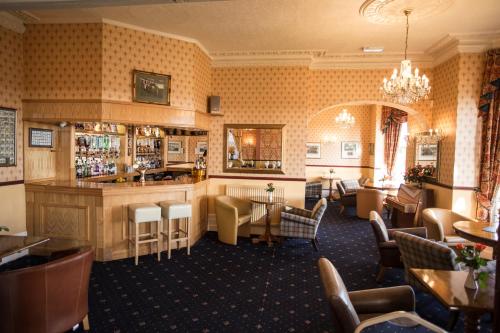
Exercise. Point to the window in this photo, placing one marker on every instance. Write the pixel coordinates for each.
(400, 161)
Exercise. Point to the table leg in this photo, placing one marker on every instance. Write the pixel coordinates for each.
(267, 237)
(472, 321)
(330, 190)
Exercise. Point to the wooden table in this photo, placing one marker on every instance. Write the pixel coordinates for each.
(448, 288)
(331, 197)
(13, 244)
(383, 186)
(267, 236)
(474, 232)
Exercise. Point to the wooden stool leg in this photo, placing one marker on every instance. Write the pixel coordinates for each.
(158, 236)
(86, 326)
(136, 244)
(178, 233)
(188, 229)
(169, 233)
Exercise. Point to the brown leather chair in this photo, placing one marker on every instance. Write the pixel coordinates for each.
(368, 200)
(52, 297)
(390, 256)
(347, 198)
(439, 224)
(352, 310)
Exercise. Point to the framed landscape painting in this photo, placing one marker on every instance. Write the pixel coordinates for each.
(313, 150)
(151, 88)
(350, 149)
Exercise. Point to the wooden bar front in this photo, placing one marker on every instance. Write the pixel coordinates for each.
(98, 212)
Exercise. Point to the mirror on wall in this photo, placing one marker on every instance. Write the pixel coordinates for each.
(427, 153)
(253, 148)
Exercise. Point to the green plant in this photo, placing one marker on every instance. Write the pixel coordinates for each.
(270, 188)
(3, 228)
(470, 255)
(417, 173)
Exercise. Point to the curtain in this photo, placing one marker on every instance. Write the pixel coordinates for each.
(391, 126)
(489, 111)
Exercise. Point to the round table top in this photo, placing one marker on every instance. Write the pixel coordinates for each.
(384, 186)
(330, 177)
(265, 200)
(473, 231)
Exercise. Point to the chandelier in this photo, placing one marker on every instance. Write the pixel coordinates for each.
(345, 119)
(405, 87)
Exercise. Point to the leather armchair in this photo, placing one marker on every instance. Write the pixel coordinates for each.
(390, 256)
(232, 215)
(439, 224)
(368, 200)
(347, 198)
(353, 310)
(51, 297)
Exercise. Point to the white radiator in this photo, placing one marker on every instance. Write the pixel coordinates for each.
(249, 192)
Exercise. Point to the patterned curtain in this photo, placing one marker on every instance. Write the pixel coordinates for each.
(391, 126)
(489, 111)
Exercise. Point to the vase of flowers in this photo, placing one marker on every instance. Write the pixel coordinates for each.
(270, 190)
(417, 174)
(470, 255)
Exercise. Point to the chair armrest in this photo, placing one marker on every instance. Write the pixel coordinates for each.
(413, 317)
(388, 245)
(227, 211)
(419, 231)
(299, 212)
(350, 194)
(400, 298)
(298, 219)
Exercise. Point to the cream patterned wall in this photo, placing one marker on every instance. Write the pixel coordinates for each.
(11, 88)
(467, 137)
(262, 95)
(63, 61)
(322, 126)
(202, 79)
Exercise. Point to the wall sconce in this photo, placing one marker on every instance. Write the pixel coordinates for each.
(430, 136)
(329, 138)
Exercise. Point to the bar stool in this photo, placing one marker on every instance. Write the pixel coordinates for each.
(145, 213)
(170, 211)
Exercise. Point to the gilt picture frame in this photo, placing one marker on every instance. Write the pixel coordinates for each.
(151, 88)
(350, 149)
(313, 150)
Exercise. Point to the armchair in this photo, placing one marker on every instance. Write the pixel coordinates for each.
(51, 297)
(232, 214)
(303, 223)
(347, 194)
(390, 256)
(356, 310)
(368, 200)
(439, 224)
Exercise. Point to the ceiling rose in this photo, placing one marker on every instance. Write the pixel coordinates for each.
(390, 11)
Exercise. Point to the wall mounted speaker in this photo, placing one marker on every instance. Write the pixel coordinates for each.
(214, 105)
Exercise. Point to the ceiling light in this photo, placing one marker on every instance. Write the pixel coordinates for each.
(373, 49)
(345, 119)
(405, 87)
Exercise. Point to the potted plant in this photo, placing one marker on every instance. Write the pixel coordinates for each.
(470, 255)
(270, 190)
(418, 173)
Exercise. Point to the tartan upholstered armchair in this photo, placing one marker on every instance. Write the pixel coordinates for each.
(303, 223)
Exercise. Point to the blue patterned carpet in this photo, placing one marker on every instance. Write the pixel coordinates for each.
(244, 288)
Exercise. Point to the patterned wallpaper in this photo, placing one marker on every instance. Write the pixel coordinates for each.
(322, 127)
(262, 95)
(202, 79)
(11, 87)
(63, 61)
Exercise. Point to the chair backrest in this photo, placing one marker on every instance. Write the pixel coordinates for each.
(368, 200)
(439, 222)
(345, 318)
(418, 252)
(246, 192)
(319, 209)
(51, 297)
(409, 194)
(379, 227)
(350, 185)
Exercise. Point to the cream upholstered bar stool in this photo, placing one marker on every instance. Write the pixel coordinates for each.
(176, 210)
(145, 213)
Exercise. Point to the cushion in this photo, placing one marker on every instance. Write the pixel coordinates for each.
(350, 185)
(244, 218)
(144, 212)
(454, 239)
(175, 209)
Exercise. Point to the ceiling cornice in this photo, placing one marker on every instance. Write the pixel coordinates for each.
(453, 44)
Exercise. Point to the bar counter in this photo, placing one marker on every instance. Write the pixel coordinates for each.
(98, 212)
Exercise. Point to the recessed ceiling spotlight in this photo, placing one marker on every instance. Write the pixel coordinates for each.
(373, 49)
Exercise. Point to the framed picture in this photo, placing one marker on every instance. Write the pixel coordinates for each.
(151, 88)
(371, 149)
(41, 137)
(174, 147)
(313, 150)
(427, 152)
(201, 147)
(8, 119)
(350, 149)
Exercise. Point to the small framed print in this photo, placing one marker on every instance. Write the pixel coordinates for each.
(8, 119)
(350, 150)
(41, 138)
(201, 147)
(151, 88)
(174, 147)
(313, 150)
(371, 149)
(427, 152)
